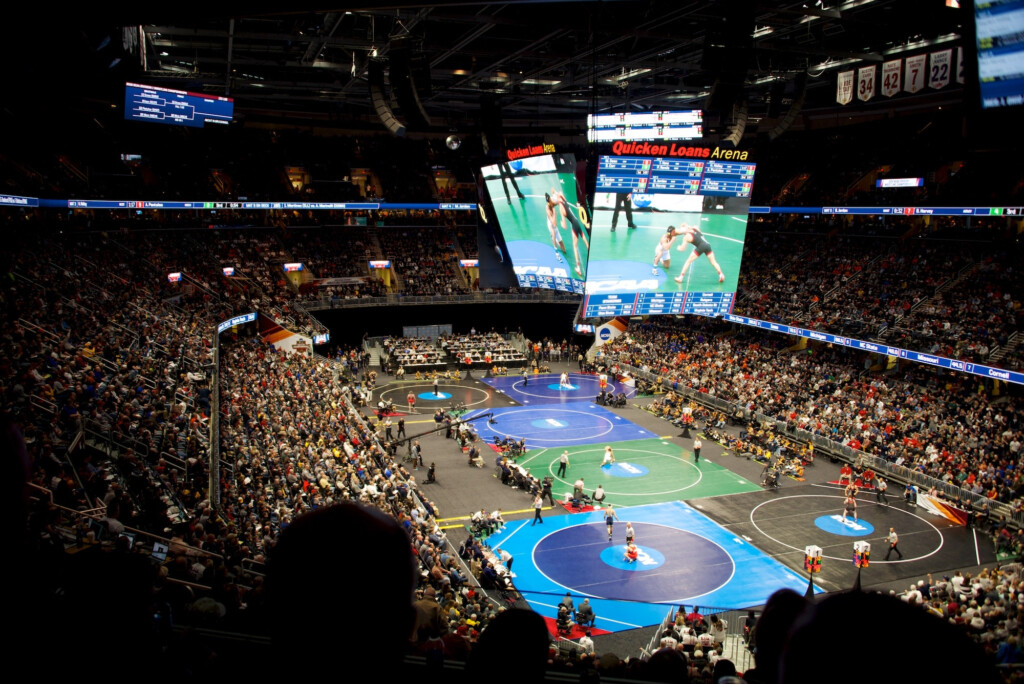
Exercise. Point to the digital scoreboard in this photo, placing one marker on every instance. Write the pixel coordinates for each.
(668, 234)
(155, 104)
(639, 126)
(653, 175)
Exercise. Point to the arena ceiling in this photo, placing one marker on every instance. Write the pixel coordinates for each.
(542, 63)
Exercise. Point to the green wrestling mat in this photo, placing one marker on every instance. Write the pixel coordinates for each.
(645, 471)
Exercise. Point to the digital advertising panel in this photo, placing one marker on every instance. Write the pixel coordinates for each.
(668, 233)
(543, 221)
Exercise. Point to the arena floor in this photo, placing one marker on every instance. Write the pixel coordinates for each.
(707, 532)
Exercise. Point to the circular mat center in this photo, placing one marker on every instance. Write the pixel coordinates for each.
(834, 524)
(647, 558)
(549, 423)
(563, 388)
(623, 469)
(430, 396)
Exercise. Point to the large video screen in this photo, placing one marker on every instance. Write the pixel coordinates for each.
(1000, 40)
(667, 236)
(178, 107)
(542, 219)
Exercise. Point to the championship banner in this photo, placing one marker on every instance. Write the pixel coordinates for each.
(844, 87)
(891, 77)
(959, 65)
(913, 74)
(866, 83)
(938, 72)
(943, 508)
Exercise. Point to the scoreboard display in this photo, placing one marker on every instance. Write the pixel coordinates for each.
(155, 104)
(667, 235)
(633, 126)
(675, 176)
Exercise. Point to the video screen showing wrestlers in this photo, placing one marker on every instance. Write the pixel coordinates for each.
(543, 220)
(670, 226)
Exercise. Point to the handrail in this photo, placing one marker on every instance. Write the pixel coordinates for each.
(97, 513)
(174, 461)
(39, 329)
(105, 272)
(42, 404)
(248, 562)
(143, 451)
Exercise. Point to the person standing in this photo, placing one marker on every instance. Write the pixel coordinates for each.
(538, 503)
(609, 519)
(623, 201)
(508, 176)
(894, 541)
(546, 491)
(630, 533)
(850, 506)
(563, 463)
(388, 432)
(401, 428)
(586, 644)
(526, 377)
(436, 393)
(880, 488)
(696, 449)
(411, 400)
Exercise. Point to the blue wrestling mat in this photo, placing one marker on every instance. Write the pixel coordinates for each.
(544, 388)
(684, 558)
(558, 426)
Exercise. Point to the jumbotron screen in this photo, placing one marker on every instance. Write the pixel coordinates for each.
(1000, 40)
(542, 219)
(667, 235)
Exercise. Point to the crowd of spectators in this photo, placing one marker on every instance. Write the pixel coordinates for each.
(918, 293)
(95, 345)
(987, 607)
(425, 260)
(973, 317)
(943, 426)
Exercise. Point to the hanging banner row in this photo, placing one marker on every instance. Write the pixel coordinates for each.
(906, 75)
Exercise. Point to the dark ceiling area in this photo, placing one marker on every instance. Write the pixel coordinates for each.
(541, 64)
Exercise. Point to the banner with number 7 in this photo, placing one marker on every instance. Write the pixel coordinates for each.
(913, 74)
